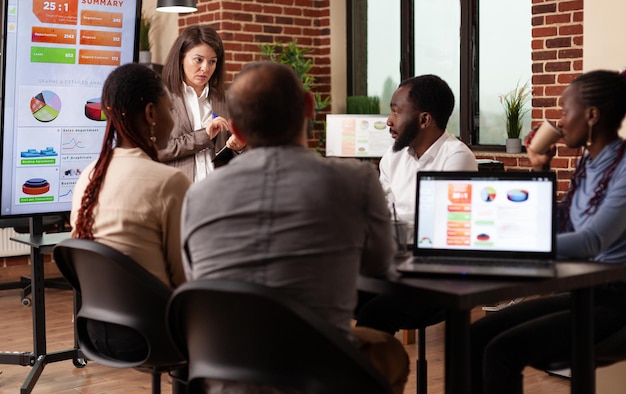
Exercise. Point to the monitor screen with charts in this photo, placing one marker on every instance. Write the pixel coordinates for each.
(507, 216)
(357, 135)
(57, 56)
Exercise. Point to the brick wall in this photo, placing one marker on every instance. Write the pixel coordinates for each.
(245, 25)
(557, 43)
(557, 58)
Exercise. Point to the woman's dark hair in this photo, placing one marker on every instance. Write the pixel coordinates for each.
(126, 92)
(605, 90)
(192, 36)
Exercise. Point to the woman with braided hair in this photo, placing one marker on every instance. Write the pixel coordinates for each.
(126, 199)
(592, 221)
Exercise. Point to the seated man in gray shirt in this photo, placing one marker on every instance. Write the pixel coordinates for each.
(283, 216)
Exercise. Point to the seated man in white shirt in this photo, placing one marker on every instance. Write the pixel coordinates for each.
(420, 109)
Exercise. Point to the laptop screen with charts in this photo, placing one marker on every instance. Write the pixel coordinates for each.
(484, 223)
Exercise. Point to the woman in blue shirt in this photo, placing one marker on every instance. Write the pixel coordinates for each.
(592, 220)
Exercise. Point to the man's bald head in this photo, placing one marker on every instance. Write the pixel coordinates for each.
(267, 104)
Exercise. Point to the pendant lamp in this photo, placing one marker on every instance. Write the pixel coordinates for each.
(179, 6)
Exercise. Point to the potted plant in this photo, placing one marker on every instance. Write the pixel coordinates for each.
(295, 57)
(363, 105)
(514, 103)
(144, 39)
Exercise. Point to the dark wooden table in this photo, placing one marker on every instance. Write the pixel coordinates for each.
(459, 295)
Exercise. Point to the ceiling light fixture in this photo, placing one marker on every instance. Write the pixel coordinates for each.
(179, 6)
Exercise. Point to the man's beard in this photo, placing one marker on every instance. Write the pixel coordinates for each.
(406, 137)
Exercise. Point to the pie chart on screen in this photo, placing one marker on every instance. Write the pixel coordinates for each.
(93, 110)
(488, 194)
(45, 106)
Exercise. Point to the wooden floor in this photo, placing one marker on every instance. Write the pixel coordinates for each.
(63, 377)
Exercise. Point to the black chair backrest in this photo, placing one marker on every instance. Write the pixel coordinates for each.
(612, 349)
(244, 332)
(113, 288)
(609, 351)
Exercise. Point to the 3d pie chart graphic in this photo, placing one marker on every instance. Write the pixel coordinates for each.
(483, 237)
(45, 106)
(35, 186)
(517, 195)
(488, 194)
(93, 110)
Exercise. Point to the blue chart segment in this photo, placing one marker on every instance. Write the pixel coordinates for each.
(31, 152)
(45, 106)
(517, 195)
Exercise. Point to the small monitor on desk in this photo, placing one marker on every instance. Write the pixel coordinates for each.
(358, 136)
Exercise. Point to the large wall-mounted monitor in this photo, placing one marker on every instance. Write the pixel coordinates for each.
(56, 57)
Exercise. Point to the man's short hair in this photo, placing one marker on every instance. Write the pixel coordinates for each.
(266, 102)
(431, 94)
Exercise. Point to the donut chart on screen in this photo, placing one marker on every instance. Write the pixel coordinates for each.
(35, 186)
(93, 110)
(45, 106)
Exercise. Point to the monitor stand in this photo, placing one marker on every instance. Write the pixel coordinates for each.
(35, 226)
(40, 244)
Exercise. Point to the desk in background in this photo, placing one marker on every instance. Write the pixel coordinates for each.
(460, 295)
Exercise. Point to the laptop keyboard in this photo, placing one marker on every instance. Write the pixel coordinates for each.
(484, 262)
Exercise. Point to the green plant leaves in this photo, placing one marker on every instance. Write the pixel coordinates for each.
(514, 102)
(294, 57)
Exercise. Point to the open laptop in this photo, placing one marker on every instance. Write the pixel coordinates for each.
(484, 223)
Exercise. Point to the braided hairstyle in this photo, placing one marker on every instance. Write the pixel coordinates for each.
(126, 92)
(605, 90)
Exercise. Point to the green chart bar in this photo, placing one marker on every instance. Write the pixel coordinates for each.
(52, 55)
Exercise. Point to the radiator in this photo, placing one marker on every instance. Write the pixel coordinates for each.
(11, 248)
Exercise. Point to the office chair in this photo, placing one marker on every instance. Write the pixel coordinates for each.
(245, 332)
(421, 364)
(609, 351)
(114, 289)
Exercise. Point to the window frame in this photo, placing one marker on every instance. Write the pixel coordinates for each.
(469, 116)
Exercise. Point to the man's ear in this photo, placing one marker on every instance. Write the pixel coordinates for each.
(235, 131)
(425, 119)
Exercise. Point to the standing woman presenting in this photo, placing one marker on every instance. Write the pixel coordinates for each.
(194, 73)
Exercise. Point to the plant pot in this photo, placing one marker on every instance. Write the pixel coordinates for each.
(513, 145)
(145, 57)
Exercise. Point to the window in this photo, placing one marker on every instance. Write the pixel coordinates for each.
(504, 61)
(437, 46)
(482, 48)
(383, 71)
